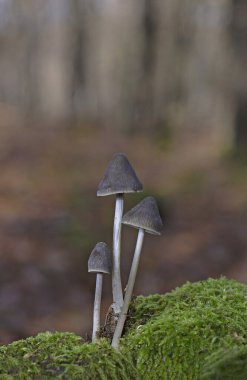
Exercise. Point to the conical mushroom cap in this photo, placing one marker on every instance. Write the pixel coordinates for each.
(145, 215)
(119, 177)
(100, 259)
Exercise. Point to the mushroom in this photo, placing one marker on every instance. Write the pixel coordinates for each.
(99, 262)
(118, 179)
(144, 216)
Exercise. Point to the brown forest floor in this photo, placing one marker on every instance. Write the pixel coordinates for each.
(50, 219)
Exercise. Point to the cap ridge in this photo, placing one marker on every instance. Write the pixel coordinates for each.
(119, 177)
(145, 215)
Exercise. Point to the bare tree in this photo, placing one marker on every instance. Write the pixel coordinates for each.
(129, 64)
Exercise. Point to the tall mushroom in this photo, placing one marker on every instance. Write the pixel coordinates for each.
(99, 262)
(144, 216)
(118, 179)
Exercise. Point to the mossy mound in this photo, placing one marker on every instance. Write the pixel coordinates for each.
(167, 337)
(63, 356)
(226, 364)
(170, 336)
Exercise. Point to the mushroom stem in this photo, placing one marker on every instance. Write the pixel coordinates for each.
(97, 303)
(116, 276)
(129, 290)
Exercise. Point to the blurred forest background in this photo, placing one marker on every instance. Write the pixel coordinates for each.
(163, 81)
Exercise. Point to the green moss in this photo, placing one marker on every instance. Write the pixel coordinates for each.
(170, 336)
(226, 364)
(173, 336)
(63, 356)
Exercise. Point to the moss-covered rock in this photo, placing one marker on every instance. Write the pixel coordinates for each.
(167, 337)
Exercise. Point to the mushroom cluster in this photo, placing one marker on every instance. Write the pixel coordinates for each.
(119, 179)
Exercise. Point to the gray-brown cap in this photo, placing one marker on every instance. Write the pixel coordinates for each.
(145, 215)
(119, 178)
(100, 259)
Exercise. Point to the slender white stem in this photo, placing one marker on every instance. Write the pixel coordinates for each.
(129, 290)
(116, 275)
(97, 303)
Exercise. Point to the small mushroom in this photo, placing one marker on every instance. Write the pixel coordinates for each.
(118, 179)
(100, 263)
(144, 216)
